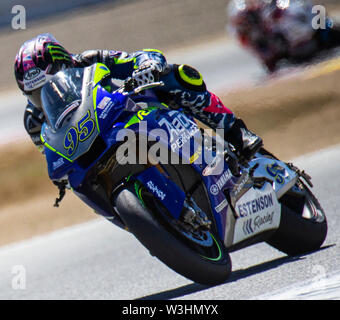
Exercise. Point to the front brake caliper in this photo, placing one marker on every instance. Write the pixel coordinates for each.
(194, 216)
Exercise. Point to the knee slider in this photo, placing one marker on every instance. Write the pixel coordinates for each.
(189, 78)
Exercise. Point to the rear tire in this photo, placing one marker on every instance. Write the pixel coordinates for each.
(167, 246)
(298, 234)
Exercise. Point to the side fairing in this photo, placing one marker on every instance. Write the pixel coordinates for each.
(177, 132)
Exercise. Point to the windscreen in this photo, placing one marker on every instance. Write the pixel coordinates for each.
(61, 95)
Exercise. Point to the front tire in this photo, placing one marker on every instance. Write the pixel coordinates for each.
(169, 248)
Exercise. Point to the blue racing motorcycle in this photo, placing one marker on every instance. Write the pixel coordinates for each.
(150, 170)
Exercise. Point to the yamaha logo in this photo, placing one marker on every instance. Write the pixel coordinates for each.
(32, 73)
(220, 183)
(214, 190)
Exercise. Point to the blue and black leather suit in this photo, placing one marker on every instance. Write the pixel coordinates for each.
(183, 86)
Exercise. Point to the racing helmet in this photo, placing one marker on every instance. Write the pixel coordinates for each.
(36, 62)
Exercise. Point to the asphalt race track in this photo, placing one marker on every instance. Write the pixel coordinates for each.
(99, 261)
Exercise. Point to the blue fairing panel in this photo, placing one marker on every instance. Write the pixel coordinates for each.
(167, 192)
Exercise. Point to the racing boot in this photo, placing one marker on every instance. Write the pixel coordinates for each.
(245, 142)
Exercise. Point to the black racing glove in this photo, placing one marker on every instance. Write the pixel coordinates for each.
(148, 72)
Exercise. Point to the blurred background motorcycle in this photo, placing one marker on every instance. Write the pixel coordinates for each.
(282, 32)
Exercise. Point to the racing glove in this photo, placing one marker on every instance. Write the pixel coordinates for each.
(147, 72)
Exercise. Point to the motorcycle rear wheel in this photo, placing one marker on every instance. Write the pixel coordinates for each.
(303, 225)
(299, 233)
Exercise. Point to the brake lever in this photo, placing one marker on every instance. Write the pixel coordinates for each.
(140, 88)
(146, 87)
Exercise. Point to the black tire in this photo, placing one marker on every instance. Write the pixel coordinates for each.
(169, 248)
(297, 234)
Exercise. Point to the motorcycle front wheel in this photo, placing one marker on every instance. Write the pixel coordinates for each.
(208, 263)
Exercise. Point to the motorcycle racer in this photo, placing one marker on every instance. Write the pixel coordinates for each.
(278, 30)
(43, 56)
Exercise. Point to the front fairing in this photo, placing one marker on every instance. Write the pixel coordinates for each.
(95, 115)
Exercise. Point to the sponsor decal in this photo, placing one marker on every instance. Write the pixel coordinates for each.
(154, 189)
(34, 78)
(252, 225)
(261, 221)
(181, 129)
(247, 227)
(143, 113)
(32, 73)
(139, 116)
(240, 184)
(258, 210)
(214, 190)
(58, 163)
(251, 207)
(103, 103)
(108, 107)
(221, 206)
(196, 155)
(221, 182)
